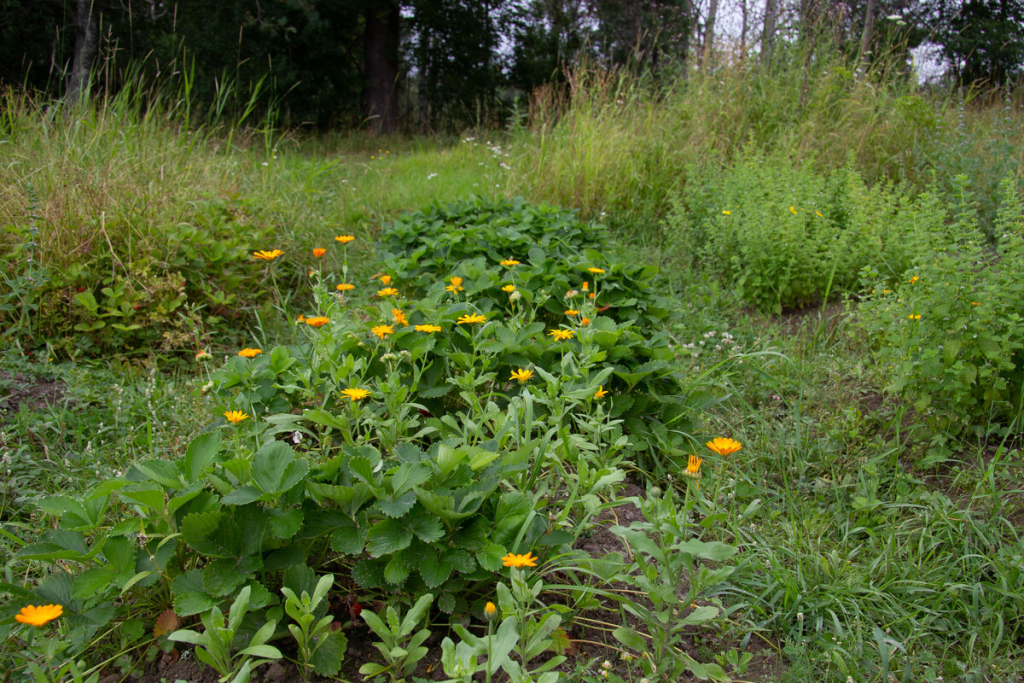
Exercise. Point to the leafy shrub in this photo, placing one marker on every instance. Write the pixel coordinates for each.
(949, 335)
(785, 235)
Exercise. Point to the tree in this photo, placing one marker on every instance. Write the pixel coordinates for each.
(382, 36)
(981, 40)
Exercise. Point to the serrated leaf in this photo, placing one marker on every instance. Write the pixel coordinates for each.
(387, 536)
(285, 523)
(396, 507)
(426, 527)
(560, 641)
(446, 603)
(166, 623)
(435, 571)
(368, 573)
(396, 572)
(329, 654)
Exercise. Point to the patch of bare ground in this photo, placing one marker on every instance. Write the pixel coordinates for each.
(19, 392)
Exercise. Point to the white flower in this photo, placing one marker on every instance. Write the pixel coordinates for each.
(431, 176)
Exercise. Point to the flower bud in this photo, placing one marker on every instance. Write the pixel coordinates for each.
(490, 611)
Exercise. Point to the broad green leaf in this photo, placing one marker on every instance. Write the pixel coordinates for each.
(387, 536)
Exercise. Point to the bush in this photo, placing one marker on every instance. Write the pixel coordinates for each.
(784, 235)
(949, 335)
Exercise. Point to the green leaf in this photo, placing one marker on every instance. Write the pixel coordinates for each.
(426, 527)
(630, 638)
(699, 615)
(189, 595)
(200, 455)
(396, 571)
(91, 583)
(387, 536)
(285, 523)
(368, 573)
(329, 653)
(275, 468)
(434, 571)
(396, 506)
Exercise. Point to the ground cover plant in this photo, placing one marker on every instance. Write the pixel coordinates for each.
(486, 439)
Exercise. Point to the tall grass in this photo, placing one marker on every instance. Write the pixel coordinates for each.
(612, 141)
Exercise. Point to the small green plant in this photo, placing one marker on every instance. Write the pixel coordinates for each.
(320, 648)
(401, 648)
(214, 645)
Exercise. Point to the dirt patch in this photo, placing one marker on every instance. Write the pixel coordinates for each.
(32, 394)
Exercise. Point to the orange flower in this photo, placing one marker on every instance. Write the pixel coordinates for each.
(267, 255)
(382, 330)
(586, 286)
(235, 416)
(318, 252)
(585, 322)
(39, 616)
(344, 239)
(693, 467)
(318, 321)
(301, 318)
(399, 317)
(455, 286)
(513, 560)
(250, 353)
(593, 295)
(600, 393)
(386, 279)
(572, 311)
(490, 611)
(724, 446)
(387, 291)
(345, 287)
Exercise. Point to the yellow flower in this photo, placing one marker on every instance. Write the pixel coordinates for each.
(600, 393)
(301, 318)
(490, 611)
(344, 239)
(386, 279)
(387, 291)
(726, 213)
(818, 213)
(235, 416)
(345, 287)
(509, 262)
(513, 560)
(382, 330)
(508, 288)
(975, 303)
(598, 271)
(456, 285)
(586, 286)
(521, 375)
(317, 321)
(572, 311)
(250, 353)
(318, 252)
(356, 394)
(693, 467)
(914, 279)
(792, 209)
(585, 322)
(399, 317)
(267, 255)
(561, 335)
(39, 616)
(724, 446)
(472, 319)
(428, 328)
(914, 316)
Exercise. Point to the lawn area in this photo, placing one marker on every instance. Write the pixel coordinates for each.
(760, 425)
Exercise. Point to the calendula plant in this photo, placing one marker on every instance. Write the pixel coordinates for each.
(214, 645)
(536, 624)
(320, 648)
(401, 648)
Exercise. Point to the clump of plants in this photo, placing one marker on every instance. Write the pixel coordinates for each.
(949, 334)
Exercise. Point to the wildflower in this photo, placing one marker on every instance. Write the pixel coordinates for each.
(572, 312)
(585, 321)
(597, 271)
(792, 209)
(301, 318)
(317, 321)
(510, 262)
(267, 255)
(428, 328)
(455, 286)
(250, 353)
(508, 288)
(571, 293)
(513, 560)
(382, 330)
(203, 355)
(235, 416)
(724, 446)
(345, 239)
(914, 279)
(387, 291)
(398, 316)
(39, 616)
(973, 303)
(345, 287)
(600, 393)
(562, 335)
(914, 316)
(818, 214)
(472, 319)
(356, 394)
(693, 467)
(521, 375)
(386, 279)
(606, 664)
(586, 286)
(726, 213)
(593, 295)
(515, 296)
(318, 252)
(490, 611)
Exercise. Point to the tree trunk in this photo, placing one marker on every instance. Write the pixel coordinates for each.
(709, 33)
(86, 40)
(768, 37)
(382, 35)
(869, 27)
(743, 29)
